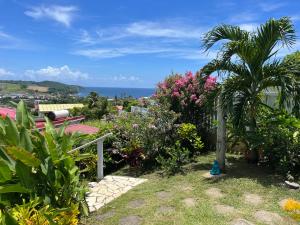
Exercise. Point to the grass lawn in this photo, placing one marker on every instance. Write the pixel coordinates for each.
(183, 199)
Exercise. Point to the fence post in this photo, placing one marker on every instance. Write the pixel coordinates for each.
(100, 159)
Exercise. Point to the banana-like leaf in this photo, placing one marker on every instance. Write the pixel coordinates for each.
(5, 172)
(11, 132)
(25, 175)
(23, 118)
(18, 153)
(13, 188)
(25, 140)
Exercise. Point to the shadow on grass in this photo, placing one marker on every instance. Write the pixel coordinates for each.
(239, 168)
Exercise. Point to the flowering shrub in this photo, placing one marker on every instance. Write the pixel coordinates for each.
(186, 94)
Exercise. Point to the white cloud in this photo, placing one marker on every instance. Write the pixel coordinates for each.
(4, 72)
(295, 18)
(155, 29)
(270, 6)
(126, 78)
(56, 73)
(145, 29)
(120, 51)
(249, 26)
(61, 14)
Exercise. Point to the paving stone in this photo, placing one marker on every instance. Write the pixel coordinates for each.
(224, 209)
(207, 175)
(163, 195)
(138, 203)
(241, 222)
(109, 188)
(253, 199)
(269, 218)
(189, 202)
(165, 210)
(106, 215)
(214, 193)
(130, 220)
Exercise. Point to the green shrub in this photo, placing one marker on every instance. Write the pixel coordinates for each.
(173, 160)
(280, 133)
(189, 138)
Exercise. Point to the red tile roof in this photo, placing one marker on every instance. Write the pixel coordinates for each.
(8, 112)
(81, 129)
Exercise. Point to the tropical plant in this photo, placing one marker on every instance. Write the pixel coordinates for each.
(248, 58)
(96, 107)
(35, 164)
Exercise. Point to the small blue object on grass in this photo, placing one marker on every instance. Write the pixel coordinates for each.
(215, 169)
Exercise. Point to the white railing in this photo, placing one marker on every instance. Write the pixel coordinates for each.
(99, 142)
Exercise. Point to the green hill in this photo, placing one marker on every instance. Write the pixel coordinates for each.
(42, 86)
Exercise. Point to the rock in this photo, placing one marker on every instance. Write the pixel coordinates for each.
(138, 203)
(130, 220)
(163, 195)
(253, 199)
(269, 218)
(207, 175)
(189, 202)
(292, 185)
(241, 222)
(106, 215)
(214, 193)
(282, 202)
(165, 210)
(224, 209)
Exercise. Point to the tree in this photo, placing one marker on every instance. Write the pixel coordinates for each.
(292, 63)
(249, 61)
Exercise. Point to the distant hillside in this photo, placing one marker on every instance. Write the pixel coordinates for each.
(42, 86)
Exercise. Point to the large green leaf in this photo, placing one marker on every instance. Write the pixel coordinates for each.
(11, 188)
(18, 153)
(5, 172)
(25, 175)
(23, 118)
(25, 140)
(11, 132)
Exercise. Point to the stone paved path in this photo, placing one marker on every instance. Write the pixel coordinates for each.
(109, 188)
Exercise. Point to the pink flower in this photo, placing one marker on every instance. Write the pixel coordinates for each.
(189, 75)
(179, 83)
(193, 97)
(210, 83)
(175, 94)
(135, 125)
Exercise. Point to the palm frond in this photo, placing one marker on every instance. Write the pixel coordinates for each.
(223, 32)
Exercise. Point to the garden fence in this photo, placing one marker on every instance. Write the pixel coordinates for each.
(99, 142)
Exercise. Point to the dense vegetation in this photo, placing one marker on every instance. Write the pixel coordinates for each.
(41, 183)
(53, 87)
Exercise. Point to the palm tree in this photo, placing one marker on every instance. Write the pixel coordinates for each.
(249, 61)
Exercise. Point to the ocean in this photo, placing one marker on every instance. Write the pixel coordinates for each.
(111, 92)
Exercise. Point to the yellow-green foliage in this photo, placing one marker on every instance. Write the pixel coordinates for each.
(293, 208)
(188, 133)
(33, 213)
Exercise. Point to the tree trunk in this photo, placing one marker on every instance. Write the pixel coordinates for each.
(221, 135)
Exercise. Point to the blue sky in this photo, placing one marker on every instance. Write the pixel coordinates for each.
(125, 43)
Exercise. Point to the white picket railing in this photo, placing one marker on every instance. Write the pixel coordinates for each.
(99, 142)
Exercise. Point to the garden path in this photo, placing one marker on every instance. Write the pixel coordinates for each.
(109, 188)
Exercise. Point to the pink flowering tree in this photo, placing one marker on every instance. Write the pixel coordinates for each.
(187, 94)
